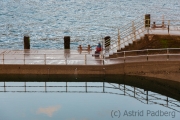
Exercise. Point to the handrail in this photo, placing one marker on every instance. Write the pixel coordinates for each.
(85, 58)
(131, 31)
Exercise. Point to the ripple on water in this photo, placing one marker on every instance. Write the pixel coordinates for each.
(83, 18)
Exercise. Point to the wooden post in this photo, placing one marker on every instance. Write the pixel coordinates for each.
(107, 41)
(147, 20)
(26, 42)
(66, 42)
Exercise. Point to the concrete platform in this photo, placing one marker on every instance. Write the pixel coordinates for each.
(52, 57)
(73, 57)
(164, 31)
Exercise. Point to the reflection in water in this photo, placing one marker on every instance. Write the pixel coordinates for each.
(48, 110)
(93, 99)
(140, 94)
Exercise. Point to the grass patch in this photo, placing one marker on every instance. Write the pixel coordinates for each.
(164, 43)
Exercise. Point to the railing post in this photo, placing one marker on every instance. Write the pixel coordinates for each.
(147, 54)
(124, 89)
(66, 87)
(66, 58)
(147, 96)
(4, 86)
(86, 86)
(45, 87)
(25, 86)
(134, 31)
(85, 59)
(3, 58)
(103, 87)
(168, 25)
(45, 59)
(119, 39)
(103, 59)
(124, 56)
(24, 58)
(167, 54)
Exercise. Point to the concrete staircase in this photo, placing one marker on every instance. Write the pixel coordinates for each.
(156, 42)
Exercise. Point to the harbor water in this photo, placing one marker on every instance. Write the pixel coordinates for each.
(86, 21)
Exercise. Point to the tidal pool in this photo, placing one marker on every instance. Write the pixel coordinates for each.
(83, 101)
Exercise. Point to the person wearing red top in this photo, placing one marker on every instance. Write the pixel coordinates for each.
(98, 50)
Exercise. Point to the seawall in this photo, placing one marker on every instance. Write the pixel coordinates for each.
(168, 70)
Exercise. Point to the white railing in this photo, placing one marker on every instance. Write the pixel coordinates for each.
(136, 29)
(167, 54)
(127, 35)
(45, 59)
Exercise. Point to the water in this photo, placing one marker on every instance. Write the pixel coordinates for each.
(87, 22)
(84, 101)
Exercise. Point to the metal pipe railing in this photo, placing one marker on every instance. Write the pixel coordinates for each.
(136, 29)
(44, 59)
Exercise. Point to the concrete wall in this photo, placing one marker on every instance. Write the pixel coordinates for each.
(169, 70)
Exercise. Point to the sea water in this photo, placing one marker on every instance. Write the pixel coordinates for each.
(83, 101)
(86, 21)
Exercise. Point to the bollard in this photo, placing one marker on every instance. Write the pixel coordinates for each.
(66, 42)
(147, 20)
(26, 42)
(107, 40)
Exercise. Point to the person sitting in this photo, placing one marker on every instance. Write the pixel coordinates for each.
(98, 50)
